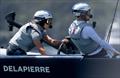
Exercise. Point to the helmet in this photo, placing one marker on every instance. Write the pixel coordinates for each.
(42, 15)
(80, 8)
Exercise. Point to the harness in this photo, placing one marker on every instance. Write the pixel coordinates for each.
(37, 30)
(87, 46)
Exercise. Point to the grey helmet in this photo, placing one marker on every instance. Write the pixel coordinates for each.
(42, 15)
(80, 8)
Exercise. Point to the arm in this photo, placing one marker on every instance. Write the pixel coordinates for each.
(90, 32)
(52, 41)
(36, 37)
(39, 46)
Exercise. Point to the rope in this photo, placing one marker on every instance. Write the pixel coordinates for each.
(59, 49)
(110, 29)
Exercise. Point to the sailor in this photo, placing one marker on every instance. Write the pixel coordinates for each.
(84, 36)
(31, 34)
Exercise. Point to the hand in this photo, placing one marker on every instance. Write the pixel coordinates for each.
(65, 41)
(67, 37)
(116, 54)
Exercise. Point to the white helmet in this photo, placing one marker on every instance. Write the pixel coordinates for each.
(80, 8)
(42, 15)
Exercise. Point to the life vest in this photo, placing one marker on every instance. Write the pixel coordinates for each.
(86, 46)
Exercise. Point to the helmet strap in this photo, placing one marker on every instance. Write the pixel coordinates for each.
(50, 26)
(41, 23)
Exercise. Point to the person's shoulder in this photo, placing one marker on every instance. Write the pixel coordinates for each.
(26, 24)
(85, 23)
(88, 28)
(72, 24)
(74, 21)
